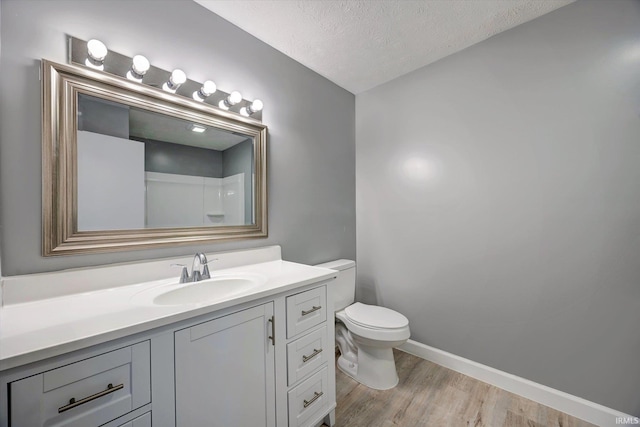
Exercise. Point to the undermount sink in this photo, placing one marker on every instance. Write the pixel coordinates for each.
(203, 292)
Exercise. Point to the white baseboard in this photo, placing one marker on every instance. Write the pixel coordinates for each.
(559, 400)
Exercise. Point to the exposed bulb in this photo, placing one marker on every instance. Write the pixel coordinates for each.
(231, 100)
(177, 78)
(97, 52)
(139, 67)
(208, 88)
(234, 97)
(257, 105)
(254, 107)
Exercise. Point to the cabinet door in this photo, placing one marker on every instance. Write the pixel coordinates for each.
(225, 371)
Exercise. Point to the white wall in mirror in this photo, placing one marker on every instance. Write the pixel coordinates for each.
(111, 187)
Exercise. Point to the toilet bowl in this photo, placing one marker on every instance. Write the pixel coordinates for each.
(366, 334)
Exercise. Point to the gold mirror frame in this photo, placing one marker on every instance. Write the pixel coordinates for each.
(61, 85)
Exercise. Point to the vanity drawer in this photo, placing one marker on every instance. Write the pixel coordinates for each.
(86, 393)
(306, 310)
(308, 399)
(306, 354)
(143, 420)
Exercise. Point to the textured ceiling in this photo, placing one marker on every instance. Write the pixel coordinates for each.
(359, 44)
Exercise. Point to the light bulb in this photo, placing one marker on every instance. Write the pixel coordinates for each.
(139, 67)
(257, 105)
(97, 52)
(140, 64)
(208, 88)
(254, 107)
(231, 100)
(234, 97)
(177, 78)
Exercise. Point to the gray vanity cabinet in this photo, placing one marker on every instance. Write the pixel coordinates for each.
(225, 371)
(261, 363)
(90, 392)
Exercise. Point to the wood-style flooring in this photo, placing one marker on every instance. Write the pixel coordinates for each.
(431, 395)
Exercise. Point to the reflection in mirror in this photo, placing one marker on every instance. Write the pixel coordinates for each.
(129, 166)
(143, 169)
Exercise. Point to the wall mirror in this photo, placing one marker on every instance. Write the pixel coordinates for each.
(128, 166)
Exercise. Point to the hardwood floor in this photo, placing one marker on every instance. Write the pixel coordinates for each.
(431, 395)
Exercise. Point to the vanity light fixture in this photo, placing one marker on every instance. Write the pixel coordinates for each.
(176, 78)
(252, 108)
(197, 128)
(208, 88)
(231, 100)
(139, 67)
(96, 53)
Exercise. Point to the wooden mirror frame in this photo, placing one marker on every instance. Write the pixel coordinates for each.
(61, 85)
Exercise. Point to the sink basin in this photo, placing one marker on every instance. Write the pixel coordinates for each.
(204, 292)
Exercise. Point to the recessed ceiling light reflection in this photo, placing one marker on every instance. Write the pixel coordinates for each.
(197, 128)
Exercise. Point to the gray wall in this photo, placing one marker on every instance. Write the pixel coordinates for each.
(184, 159)
(104, 117)
(239, 159)
(311, 147)
(498, 201)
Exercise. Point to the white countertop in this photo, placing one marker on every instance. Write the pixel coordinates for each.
(33, 331)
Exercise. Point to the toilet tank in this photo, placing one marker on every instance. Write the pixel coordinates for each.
(344, 287)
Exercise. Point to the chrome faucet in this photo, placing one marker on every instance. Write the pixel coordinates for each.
(199, 269)
(199, 262)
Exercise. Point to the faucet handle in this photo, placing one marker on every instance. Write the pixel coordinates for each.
(205, 270)
(184, 276)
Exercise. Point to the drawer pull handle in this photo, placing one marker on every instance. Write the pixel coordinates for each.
(73, 402)
(314, 308)
(315, 397)
(316, 352)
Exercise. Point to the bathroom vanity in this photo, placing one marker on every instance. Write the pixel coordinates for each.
(252, 346)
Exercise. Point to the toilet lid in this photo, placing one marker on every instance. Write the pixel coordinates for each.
(373, 316)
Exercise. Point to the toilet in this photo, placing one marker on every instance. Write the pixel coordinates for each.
(365, 334)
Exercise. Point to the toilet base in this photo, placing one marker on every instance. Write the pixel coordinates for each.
(375, 368)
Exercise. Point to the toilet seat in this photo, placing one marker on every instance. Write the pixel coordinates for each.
(375, 317)
(397, 329)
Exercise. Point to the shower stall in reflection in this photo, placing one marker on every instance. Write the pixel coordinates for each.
(177, 200)
(138, 169)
